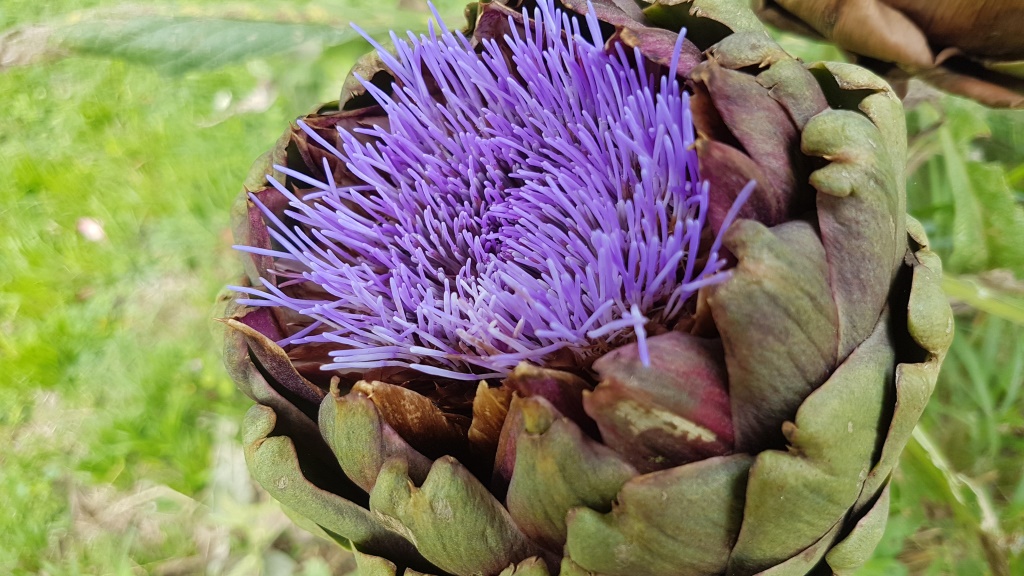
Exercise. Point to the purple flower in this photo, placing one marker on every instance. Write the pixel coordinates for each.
(524, 206)
(538, 196)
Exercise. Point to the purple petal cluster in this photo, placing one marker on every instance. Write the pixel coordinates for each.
(536, 197)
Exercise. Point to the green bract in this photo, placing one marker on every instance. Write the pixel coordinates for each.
(760, 438)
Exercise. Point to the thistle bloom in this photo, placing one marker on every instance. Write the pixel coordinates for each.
(508, 313)
(540, 196)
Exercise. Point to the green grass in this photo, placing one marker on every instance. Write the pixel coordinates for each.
(118, 423)
(106, 345)
(111, 376)
(958, 496)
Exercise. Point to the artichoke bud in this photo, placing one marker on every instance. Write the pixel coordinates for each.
(575, 293)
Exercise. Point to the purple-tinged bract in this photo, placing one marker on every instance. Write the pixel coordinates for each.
(537, 196)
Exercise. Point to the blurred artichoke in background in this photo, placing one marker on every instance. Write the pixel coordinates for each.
(967, 47)
(573, 294)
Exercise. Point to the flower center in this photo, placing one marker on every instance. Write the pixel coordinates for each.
(537, 196)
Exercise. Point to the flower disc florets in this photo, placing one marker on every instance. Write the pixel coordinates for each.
(537, 195)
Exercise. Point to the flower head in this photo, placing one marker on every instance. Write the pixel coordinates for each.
(526, 203)
(535, 196)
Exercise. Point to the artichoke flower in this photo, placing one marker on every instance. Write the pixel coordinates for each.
(970, 48)
(575, 293)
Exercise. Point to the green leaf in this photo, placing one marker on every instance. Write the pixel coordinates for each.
(178, 44)
(1003, 217)
(184, 38)
(984, 298)
(966, 199)
(968, 120)
(970, 251)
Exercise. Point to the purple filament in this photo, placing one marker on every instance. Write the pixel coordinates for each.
(514, 208)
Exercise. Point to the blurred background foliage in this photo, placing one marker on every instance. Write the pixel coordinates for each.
(125, 133)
